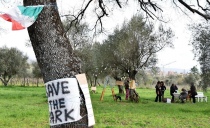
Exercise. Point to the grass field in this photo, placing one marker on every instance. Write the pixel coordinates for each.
(26, 107)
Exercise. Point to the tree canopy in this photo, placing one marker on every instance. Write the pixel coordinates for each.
(78, 34)
(36, 70)
(134, 46)
(12, 62)
(201, 49)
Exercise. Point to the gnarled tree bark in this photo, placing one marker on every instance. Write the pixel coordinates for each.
(53, 51)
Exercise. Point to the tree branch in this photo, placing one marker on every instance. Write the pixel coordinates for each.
(118, 2)
(102, 7)
(208, 2)
(194, 10)
(148, 6)
(204, 9)
(79, 17)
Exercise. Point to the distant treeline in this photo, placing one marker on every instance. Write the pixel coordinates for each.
(25, 82)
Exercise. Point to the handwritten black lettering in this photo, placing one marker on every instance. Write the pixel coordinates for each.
(56, 89)
(51, 117)
(62, 103)
(65, 89)
(67, 114)
(55, 104)
(57, 114)
(50, 90)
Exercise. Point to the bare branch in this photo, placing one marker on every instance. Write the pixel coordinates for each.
(208, 2)
(194, 10)
(179, 8)
(79, 17)
(155, 7)
(144, 8)
(149, 7)
(99, 20)
(146, 5)
(102, 7)
(118, 2)
(204, 9)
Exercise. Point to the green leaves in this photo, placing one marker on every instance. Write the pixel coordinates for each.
(201, 49)
(12, 62)
(135, 44)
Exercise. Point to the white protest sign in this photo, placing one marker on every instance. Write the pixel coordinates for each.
(84, 87)
(64, 100)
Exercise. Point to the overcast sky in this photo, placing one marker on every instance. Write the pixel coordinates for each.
(180, 56)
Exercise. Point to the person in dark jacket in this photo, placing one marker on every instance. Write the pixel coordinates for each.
(172, 90)
(183, 95)
(163, 88)
(193, 92)
(158, 92)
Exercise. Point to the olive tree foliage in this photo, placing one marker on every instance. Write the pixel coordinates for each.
(201, 49)
(83, 47)
(98, 69)
(134, 46)
(77, 34)
(148, 77)
(194, 70)
(36, 72)
(93, 65)
(154, 71)
(86, 50)
(90, 64)
(25, 74)
(174, 79)
(85, 55)
(12, 62)
(192, 77)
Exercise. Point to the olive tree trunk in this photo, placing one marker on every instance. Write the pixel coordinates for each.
(53, 51)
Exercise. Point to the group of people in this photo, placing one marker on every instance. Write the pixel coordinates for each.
(160, 89)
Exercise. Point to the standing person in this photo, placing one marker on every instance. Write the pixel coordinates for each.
(158, 92)
(193, 91)
(172, 90)
(163, 88)
(126, 89)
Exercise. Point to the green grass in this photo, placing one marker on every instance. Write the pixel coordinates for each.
(27, 107)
